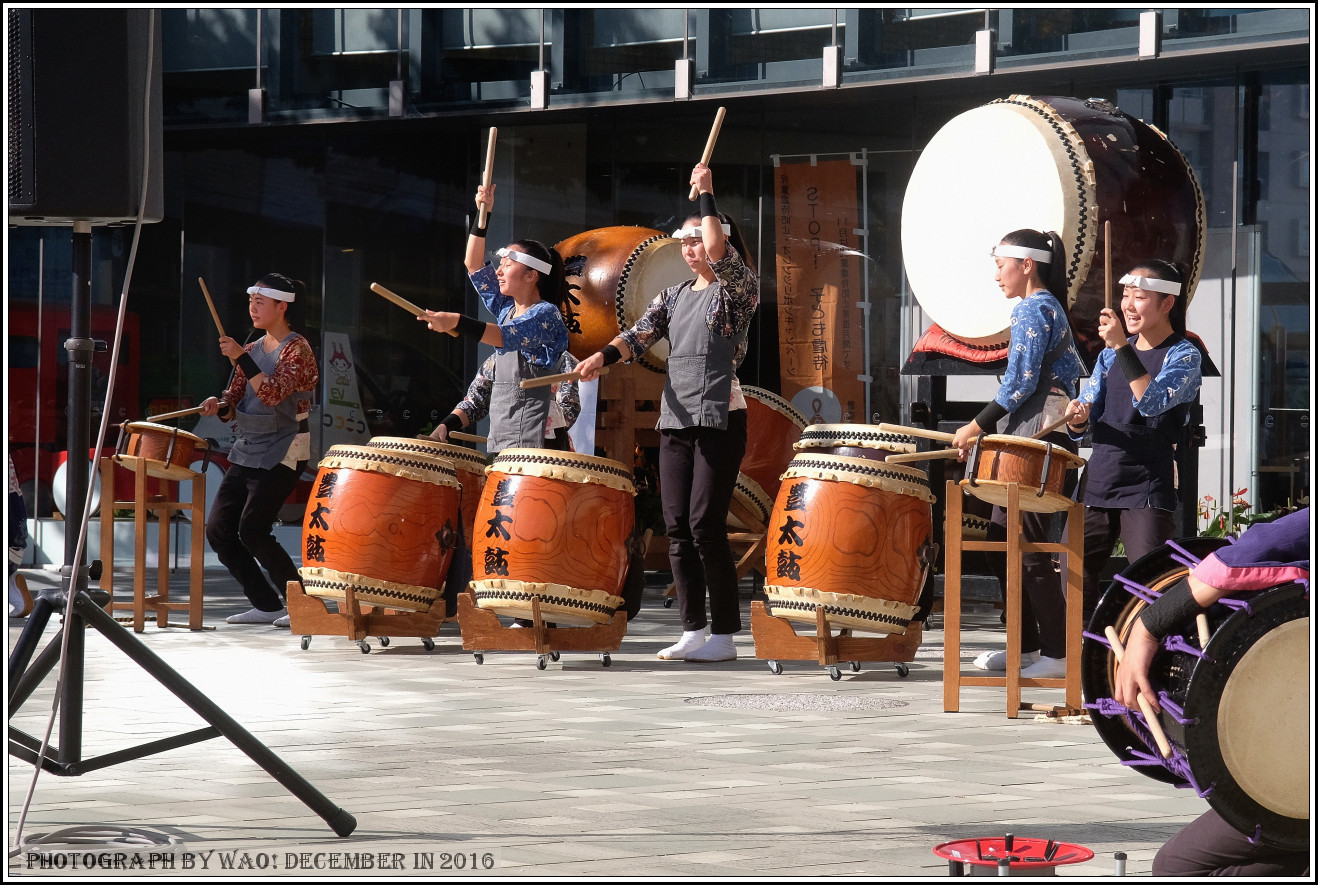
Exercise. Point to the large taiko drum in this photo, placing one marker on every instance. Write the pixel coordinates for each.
(853, 536)
(613, 273)
(773, 425)
(1047, 163)
(554, 526)
(383, 523)
(1236, 710)
(854, 441)
(469, 465)
(167, 451)
(1037, 467)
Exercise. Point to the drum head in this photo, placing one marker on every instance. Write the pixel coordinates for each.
(1252, 713)
(987, 172)
(1118, 609)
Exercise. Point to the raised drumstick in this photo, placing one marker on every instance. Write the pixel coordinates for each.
(215, 315)
(709, 147)
(1107, 264)
(467, 437)
(403, 303)
(546, 380)
(1150, 717)
(921, 432)
(179, 414)
(935, 454)
(489, 172)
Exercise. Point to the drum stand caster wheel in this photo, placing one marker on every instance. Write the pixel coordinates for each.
(834, 673)
(364, 646)
(855, 666)
(775, 668)
(668, 602)
(428, 644)
(554, 656)
(480, 658)
(384, 641)
(903, 671)
(605, 660)
(306, 642)
(541, 662)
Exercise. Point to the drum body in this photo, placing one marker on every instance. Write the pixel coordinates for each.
(384, 523)
(553, 526)
(853, 441)
(1236, 710)
(853, 536)
(1046, 163)
(613, 273)
(773, 425)
(1038, 467)
(468, 464)
(166, 450)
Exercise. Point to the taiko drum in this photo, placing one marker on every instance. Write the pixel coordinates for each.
(854, 441)
(613, 273)
(167, 451)
(853, 536)
(773, 425)
(1037, 467)
(383, 523)
(553, 526)
(469, 465)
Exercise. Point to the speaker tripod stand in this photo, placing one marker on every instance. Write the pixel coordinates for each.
(82, 610)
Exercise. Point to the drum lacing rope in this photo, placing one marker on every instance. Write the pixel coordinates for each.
(375, 455)
(358, 588)
(859, 614)
(760, 393)
(754, 499)
(562, 462)
(879, 472)
(868, 435)
(474, 457)
(564, 601)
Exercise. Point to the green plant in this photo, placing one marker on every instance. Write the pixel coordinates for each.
(1230, 521)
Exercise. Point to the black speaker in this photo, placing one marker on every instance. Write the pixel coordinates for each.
(84, 115)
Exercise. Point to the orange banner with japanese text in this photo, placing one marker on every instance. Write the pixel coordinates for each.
(821, 328)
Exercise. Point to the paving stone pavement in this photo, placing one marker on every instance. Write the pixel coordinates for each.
(644, 768)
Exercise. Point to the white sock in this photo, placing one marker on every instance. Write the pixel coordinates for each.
(720, 647)
(690, 641)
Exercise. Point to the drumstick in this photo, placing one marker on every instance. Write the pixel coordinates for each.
(489, 173)
(1151, 718)
(937, 435)
(215, 315)
(403, 303)
(467, 437)
(904, 457)
(1201, 622)
(179, 414)
(1107, 265)
(546, 380)
(1050, 428)
(709, 148)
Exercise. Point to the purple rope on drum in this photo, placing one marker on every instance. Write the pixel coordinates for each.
(1139, 591)
(1175, 642)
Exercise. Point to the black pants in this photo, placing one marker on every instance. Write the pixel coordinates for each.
(697, 474)
(240, 530)
(1141, 531)
(1209, 846)
(1043, 602)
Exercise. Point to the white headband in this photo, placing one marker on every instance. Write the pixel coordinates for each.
(529, 260)
(1002, 250)
(1166, 287)
(690, 232)
(276, 294)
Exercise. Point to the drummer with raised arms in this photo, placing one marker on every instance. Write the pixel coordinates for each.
(1042, 369)
(270, 399)
(702, 419)
(525, 292)
(1137, 402)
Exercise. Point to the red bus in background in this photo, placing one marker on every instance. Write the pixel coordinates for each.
(45, 393)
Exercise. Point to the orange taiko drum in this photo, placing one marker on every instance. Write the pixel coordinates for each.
(1039, 468)
(613, 273)
(852, 536)
(383, 523)
(167, 451)
(854, 441)
(553, 526)
(469, 464)
(750, 507)
(773, 425)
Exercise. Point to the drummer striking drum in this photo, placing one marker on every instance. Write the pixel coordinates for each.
(270, 397)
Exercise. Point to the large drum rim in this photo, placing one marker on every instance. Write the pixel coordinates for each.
(775, 402)
(596, 606)
(460, 456)
(620, 294)
(1282, 604)
(861, 471)
(853, 435)
(799, 604)
(131, 427)
(433, 469)
(546, 463)
(334, 582)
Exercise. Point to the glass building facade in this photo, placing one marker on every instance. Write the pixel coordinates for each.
(344, 146)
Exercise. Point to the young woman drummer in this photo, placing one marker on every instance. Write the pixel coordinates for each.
(1042, 368)
(1138, 402)
(524, 291)
(702, 419)
(270, 399)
